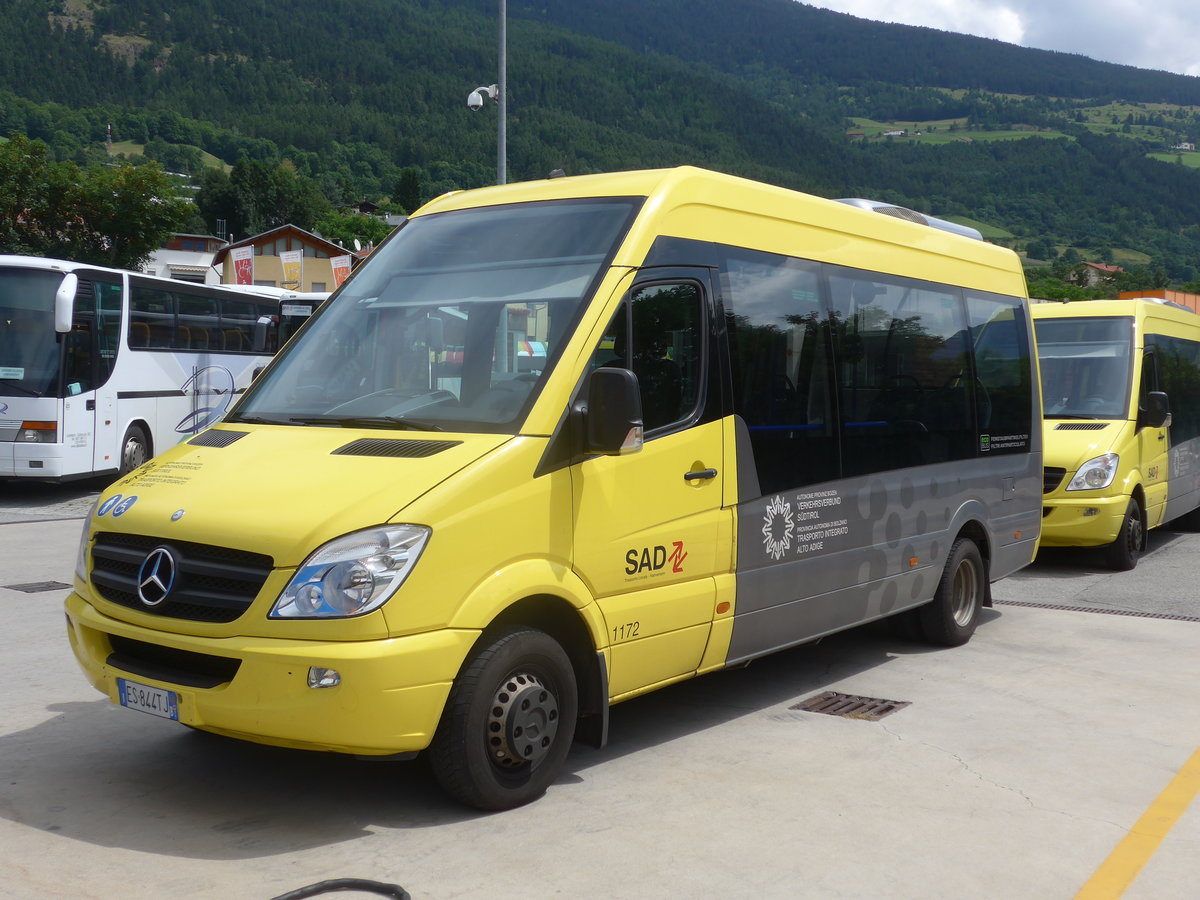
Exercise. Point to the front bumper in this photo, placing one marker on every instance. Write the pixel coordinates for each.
(18, 460)
(389, 701)
(1086, 521)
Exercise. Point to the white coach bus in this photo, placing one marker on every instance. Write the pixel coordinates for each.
(100, 369)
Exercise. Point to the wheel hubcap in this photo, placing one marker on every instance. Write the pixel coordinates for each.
(1136, 534)
(966, 588)
(522, 723)
(135, 454)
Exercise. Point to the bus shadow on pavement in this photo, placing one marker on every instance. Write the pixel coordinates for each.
(1071, 562)
(780, 678)
(96, 773)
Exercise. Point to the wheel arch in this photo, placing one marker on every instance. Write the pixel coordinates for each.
(567, 625)
(974, 529)
(142, 425)
(1138, 493)
(551, 598)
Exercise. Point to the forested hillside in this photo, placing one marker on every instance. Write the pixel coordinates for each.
(352, 94)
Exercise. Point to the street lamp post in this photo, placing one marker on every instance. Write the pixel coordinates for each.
(502, 99)
(498, 93)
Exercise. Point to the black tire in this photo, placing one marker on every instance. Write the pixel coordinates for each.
(508, 722)
(1122, 554)
(950, 619)
(135, 450)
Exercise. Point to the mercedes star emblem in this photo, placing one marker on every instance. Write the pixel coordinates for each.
(156, 577)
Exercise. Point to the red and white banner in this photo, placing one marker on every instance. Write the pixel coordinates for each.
(341, 268)
(243, 264)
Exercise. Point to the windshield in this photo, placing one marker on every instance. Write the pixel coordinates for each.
(451, 325)
(1085, 366)
(28, 343)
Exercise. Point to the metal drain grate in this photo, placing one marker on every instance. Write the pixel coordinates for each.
(1138, 614)
(37, 587)
(848, 706)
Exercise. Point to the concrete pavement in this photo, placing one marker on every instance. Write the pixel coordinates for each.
(1022, 762)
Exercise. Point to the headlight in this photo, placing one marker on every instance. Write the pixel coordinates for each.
(352, 575)
(38, 433)
(81, 556)
(1095, 473)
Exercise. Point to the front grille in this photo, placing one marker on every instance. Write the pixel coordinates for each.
(1081, 426)
(1052, 477)
(212, 584)
(168, 664)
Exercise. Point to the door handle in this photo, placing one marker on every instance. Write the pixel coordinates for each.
(703, 474)
(90, 405)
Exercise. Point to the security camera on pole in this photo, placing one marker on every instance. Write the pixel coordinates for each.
(495, 92)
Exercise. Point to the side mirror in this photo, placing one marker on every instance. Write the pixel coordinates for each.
(64, 303)
(612, 420)
(262, 329)
(1157, 411)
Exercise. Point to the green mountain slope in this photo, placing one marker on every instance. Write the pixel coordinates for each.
(351, 93)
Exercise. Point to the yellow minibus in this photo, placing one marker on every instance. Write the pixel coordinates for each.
(560, 443)
(1121, 396)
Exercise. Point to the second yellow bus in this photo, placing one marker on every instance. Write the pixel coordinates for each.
(1121, 394)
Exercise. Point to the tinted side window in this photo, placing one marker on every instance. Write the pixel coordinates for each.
(197, 328)
(999, 333)
(108, 309)
(237, 325)
(151, 318)
(92, 344)
(905, 385)
(658, 334)
(778, 346)
(1179, 375)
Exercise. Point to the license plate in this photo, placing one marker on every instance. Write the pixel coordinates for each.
(148, 699)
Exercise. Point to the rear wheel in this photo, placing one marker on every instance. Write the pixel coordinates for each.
(1122, 554)
(508, 723)
(950, 619)
(135, 450)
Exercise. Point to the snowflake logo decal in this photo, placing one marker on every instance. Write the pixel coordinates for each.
(777, 528)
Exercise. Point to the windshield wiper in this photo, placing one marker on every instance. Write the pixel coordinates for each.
(403, 422)
(256, 420)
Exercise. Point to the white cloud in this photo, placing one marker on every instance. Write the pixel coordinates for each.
(1131, 32)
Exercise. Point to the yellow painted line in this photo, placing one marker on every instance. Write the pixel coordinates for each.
(1117, 872)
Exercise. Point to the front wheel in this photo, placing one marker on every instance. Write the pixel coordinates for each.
(951, 617)
(508, 722)
(1122, 554)
(135, 450)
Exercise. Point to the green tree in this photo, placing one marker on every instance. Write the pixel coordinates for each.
(270, 196)
(408, 189)
(1040, 248)
(123, 214)
(33, 192)
(343, 228)
(106, 215)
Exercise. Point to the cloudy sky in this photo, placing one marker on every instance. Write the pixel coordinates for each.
(1159, 35)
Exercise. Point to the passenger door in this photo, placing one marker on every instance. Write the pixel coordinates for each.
(648, 526)
(88, 359)
(1153, 447)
